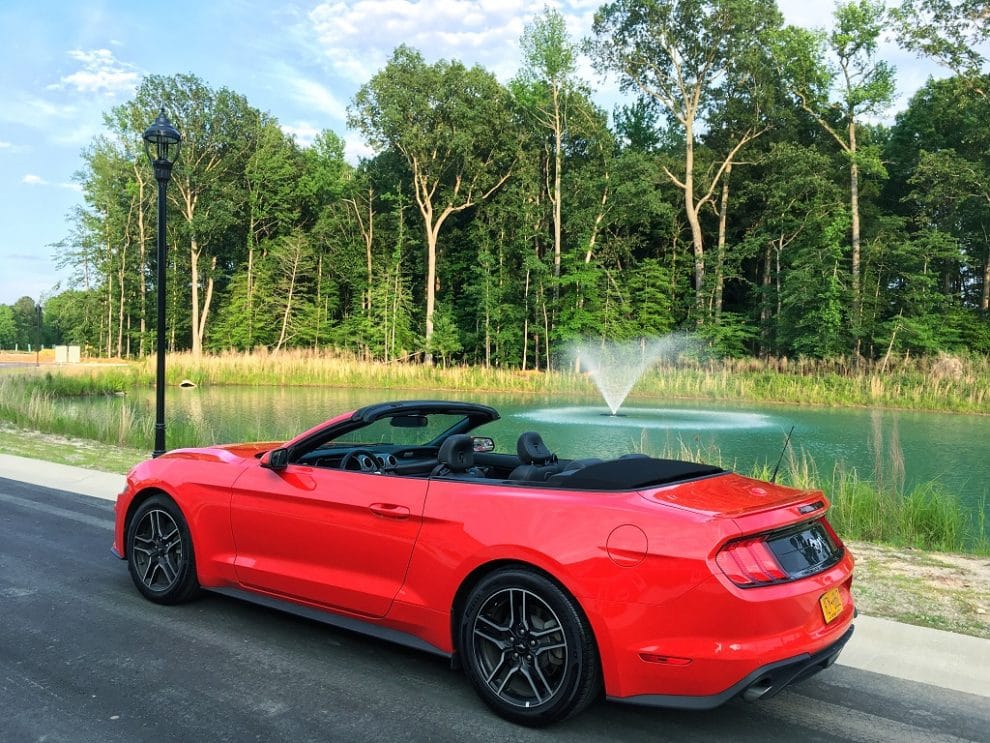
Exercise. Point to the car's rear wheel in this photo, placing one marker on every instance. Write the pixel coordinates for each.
(528, 648)
(160, 553)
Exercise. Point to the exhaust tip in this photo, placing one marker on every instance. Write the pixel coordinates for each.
(757, 690)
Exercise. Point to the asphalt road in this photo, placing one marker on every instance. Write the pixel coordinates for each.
(84, 658)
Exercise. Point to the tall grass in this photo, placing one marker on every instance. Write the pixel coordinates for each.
(879, 509)
(942, 383)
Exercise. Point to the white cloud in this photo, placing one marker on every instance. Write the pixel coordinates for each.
(315, 96)
(356, 37)
(101, 73)
(303, 131)
(30, 179)
(355, 148)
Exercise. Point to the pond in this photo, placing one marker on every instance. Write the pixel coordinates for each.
(947, 448)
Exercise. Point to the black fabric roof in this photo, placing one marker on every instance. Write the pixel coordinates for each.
(632, 474)
(478, 413)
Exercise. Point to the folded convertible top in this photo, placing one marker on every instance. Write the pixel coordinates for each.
(632, 473)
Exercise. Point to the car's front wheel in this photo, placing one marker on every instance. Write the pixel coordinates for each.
(160, 553)
(528, 648)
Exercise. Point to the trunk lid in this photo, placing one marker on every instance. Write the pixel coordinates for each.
(733, 496)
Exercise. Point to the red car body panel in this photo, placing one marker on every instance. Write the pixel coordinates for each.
(397, 552)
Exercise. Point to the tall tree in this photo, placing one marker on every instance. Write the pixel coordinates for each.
(219, 132)
(684, 56)
(950, 32)
(549, 63)
(838, 94)
(452, 125)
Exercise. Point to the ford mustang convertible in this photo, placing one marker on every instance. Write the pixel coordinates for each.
(549, 581)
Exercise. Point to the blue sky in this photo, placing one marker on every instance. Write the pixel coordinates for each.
(62, 64)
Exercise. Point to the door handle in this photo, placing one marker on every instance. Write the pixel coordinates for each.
(390, 510)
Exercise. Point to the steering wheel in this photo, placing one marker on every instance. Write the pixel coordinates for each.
(366, 461)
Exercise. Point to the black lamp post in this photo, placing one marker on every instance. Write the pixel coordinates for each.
(37, 356)
(161, 142)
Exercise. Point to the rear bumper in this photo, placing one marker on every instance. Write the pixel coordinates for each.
(762, 683)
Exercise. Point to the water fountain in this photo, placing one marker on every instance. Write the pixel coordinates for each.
(615, 366)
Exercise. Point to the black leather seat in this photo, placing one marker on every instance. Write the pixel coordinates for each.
(537, 461)
(456, 458)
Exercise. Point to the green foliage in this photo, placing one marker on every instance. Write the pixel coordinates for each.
(8, 328)
(513, 219)
(951, 32)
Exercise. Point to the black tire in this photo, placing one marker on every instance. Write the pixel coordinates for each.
(160, 553)
(528, 649)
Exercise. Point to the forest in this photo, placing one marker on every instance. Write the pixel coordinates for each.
(746, 192)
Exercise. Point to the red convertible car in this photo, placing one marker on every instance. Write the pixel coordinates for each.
(549, 581)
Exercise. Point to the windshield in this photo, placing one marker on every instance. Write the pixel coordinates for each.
(383, 432)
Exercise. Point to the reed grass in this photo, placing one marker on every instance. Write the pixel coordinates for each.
(943, 383)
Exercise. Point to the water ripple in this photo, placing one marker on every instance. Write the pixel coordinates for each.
(676, 419)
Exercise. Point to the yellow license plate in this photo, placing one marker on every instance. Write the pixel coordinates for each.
(831, 603)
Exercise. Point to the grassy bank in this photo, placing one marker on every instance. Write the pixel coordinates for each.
(936, 384)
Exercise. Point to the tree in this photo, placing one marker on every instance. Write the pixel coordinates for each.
(793, 202)
(839, 95)
(272, 175)
(686, 56)
(8, 328)
(454, 129)
(949, 32)
(550, 58)
(939, 154)
(219, 132)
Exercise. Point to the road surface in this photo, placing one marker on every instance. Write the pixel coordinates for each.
(84, 658)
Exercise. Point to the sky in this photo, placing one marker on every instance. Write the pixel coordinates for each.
(64, 64)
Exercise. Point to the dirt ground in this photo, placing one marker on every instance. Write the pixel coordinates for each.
(931, 589)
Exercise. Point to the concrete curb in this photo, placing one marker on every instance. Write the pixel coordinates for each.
(882, 646)
(929, 656)
(62, 477)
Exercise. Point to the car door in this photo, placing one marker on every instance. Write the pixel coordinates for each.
(336, 538)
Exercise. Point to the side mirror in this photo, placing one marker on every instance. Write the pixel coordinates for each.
(276, 459)
(483, 444)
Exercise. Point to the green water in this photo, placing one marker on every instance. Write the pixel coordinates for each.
(947, 448)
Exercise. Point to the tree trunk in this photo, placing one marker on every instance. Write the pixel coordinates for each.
(194, 271)
(720, 260)
(142, 249)
(525, 320)
(558, 134)
(204, 315)
(857, 303)
(288, 301)
(431, 289)
(765, 303)
(123, 297)
(696, 236)
(109, 345)
(985, 298)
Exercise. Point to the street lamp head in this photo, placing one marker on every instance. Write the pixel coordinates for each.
(162, 142)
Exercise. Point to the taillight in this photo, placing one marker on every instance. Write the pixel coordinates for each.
(749, 562)
(778, 556)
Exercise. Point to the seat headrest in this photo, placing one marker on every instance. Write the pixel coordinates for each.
(532, 450)
(457, 452)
